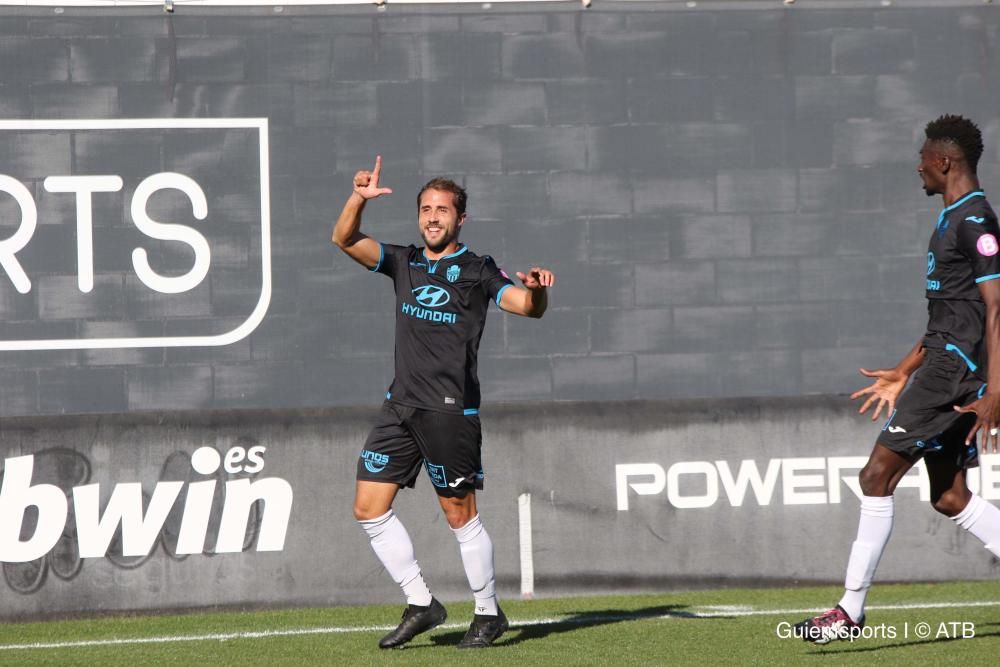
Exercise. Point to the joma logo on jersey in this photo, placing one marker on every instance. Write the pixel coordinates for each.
(374, 462)
(931, 263)
(431, 296)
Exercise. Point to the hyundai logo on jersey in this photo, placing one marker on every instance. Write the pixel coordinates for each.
(932, 285)
(431, 296)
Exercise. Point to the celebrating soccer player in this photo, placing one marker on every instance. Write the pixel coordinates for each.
(946, 391)
(431, 413)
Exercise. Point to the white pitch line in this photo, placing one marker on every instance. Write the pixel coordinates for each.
(707, 612)
(717, 612)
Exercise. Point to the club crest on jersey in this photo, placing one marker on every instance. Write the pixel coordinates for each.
(452, 273)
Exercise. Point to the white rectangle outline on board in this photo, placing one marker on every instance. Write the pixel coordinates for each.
(255, 318)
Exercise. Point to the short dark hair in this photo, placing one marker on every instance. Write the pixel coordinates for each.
(446, 185)
(959, 131)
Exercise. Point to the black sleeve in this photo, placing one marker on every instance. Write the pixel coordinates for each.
(978, 240)
(494, 280)
(389, 259)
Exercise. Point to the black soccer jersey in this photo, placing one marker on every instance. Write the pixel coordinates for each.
(440, 313)
(963, 252)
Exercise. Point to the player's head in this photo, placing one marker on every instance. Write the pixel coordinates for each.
(440, 212)
(953, 145)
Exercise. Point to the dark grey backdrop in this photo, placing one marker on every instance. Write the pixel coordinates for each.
(728, 197)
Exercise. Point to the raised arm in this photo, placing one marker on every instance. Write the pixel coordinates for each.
(532, 299)
(347, 233)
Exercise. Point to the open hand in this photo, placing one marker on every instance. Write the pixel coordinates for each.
(886, 389)
(987, 409)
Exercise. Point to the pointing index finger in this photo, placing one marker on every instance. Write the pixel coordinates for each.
(377, 169)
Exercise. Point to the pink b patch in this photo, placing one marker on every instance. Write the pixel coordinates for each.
(987, 245)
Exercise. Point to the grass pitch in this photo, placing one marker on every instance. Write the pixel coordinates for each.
(940, 624)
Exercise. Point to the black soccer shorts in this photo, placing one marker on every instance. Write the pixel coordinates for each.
(925, 422)
(448, 445)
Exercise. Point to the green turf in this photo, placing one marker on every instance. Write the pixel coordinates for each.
(662, 629)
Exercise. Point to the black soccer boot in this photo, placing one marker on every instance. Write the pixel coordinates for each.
(415, 620)
(484, 630)
(830, 625)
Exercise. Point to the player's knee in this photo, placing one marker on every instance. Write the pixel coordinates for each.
(951, 502)
(361, 513)
(456, 518)
(873, 480)
(366, 512)
(458, 515)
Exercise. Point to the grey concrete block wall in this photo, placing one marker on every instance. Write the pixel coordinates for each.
(726, 190)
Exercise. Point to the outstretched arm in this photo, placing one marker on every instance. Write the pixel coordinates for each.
(347, 231)
(532, 299)
(987, 408)
(889, 383)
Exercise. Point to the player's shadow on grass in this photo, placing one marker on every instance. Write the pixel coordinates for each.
(854, 648)
(521, 631)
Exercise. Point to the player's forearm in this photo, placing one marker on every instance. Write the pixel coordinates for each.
(912, 360)
(347, 230)
(535, 302)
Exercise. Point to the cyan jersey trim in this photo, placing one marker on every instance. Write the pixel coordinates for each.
(500, 293)
(381, 257)
(992, 276)
(951, 347)
(431, 267)
(977, 193)
(388, 395)
(982, 390)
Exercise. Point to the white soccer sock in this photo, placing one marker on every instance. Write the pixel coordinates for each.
(393, 547)
(477, 557)
(874, 528)
(982, 519)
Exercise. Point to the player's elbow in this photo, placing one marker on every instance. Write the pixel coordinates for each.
(342, 242)
(533, 310)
